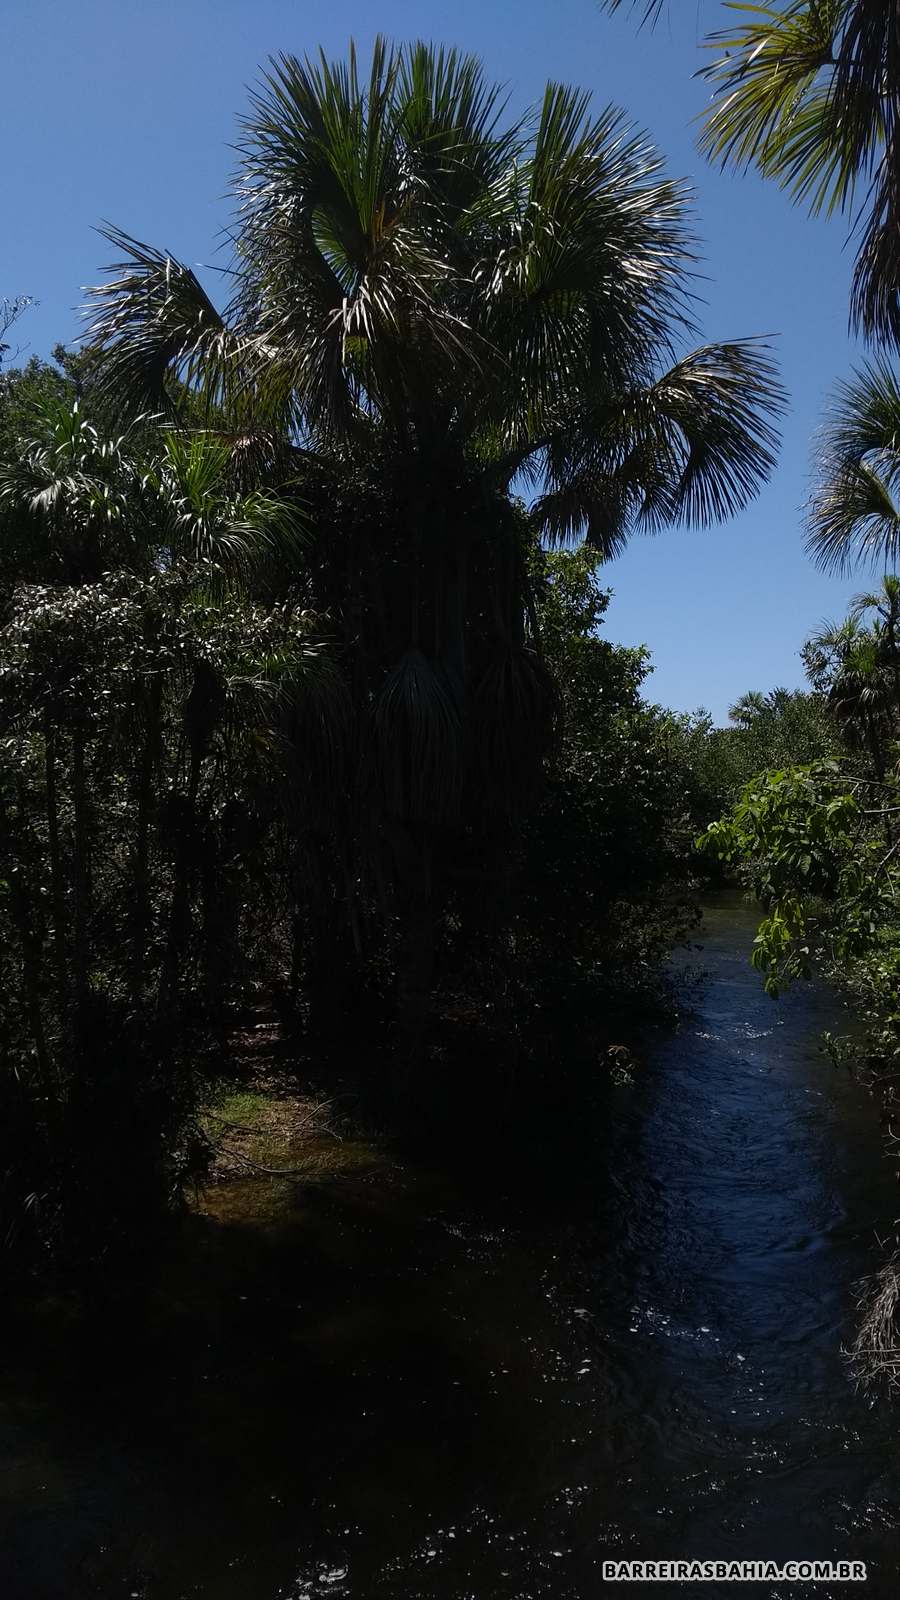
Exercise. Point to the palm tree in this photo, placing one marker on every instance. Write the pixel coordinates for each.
(850, 665)
(808, 93)
(749, 708)
(76, 489)
(140, 499)
(448, 307)
(861, 700)
(885, 603)
(853, 515)
(784, 727)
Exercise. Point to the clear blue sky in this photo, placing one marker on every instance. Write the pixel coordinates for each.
(125, 110)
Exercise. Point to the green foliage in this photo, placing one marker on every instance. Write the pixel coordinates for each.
(818, 843)
(436, 299)
(473, 291)
(796, 829)
(607, 877)
(852, 516)
(784, 727)
(855, 667)
(145, 731)
(808, 93)
(819, 847)
(288, 692)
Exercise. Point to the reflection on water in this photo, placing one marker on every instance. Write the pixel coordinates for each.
(387, 1393)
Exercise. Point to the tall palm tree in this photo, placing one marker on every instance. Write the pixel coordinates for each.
(451, 307)
(808, 93)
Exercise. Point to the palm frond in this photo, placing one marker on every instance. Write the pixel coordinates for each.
(345, 245)
(721, 403)
(883, 601)
(594, 255)
(767, 108)
(81, 488)
(450, 116)
(867, 63)
(600, 507)
(809, 94)
(417, 742)
(203, 519)
(693, 446)
(853, 519)
(875, 290)
(154, 319)
(652, 9)
(853, 514)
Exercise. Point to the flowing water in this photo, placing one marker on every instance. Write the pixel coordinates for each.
(390, 1391)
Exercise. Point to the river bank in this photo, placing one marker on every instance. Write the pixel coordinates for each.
(397, 1385)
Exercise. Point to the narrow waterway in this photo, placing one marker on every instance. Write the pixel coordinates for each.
(390, 1391)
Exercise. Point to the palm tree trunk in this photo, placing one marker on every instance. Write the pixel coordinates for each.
(453, 653)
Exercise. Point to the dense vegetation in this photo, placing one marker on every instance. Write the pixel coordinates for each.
(818, 840)
(296, 696)
(808, 94)
(304, 692)
(341, 846)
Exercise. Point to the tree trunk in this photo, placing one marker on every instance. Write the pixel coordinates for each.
(453, 622)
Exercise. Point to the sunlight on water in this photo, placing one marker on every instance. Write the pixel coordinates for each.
(396, 1390)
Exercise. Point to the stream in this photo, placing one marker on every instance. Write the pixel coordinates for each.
(408, 1389)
